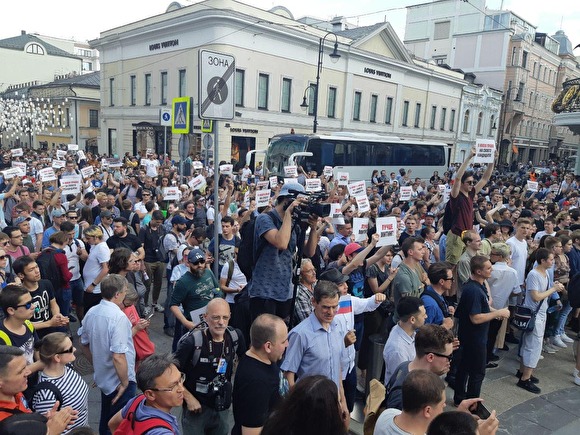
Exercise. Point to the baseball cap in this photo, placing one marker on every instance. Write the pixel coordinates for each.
(430, 214)
(57, 213)
(177, 220)
(334, 275)
(106, 213)
(501, 248)
(195, 255)
(286, 188)
(180, 251)
(20, 219)
(351, 248)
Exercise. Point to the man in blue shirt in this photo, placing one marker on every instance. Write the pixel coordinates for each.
(441, 278)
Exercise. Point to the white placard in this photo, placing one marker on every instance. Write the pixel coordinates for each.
(112, 162)
(60, 154)
(81, 155)
(171, 194)
(336, 213)
(57, 164)
(441, 188)
(21, 166)
(16, 152)
(73, 147)
(532, 186)
(405, 193)
(360, 226)
(227, 169)
(263, 197)
(447, 194)
(387, 231)
(47, 174)
(261, 185)
(290, 181)
(87, 171)
(273, 181)
(343, 178)
(327, 171)
(357, 188)
(484, 151)
(71, 185)
(363, 204)
(197, 183)
(197, 165)
(197, 316)
(313, 185)
(11, 173)
(246, 202)
(291, 171)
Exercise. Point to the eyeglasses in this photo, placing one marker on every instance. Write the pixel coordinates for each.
(449, 279)
(449, 357)
(217, 318)
(69, 350)
(171, 389)
(27, 305)
(471, 182)
(198, 262)
(73, 217)
(3, 257)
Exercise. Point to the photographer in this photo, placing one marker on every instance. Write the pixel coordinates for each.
(275, 237)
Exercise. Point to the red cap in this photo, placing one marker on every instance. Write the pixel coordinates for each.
(351, 248)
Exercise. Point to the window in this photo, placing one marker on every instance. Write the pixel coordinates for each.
(534, 70)
(356, 108)
(525, 59)
(331, 111)
(286, 88)
(312, 100)
(67, 120)
(491, 125)
(442, 30)
(433, 116)
(479, 122)
(87, 66)
(182, 83)
(513, 55)
(405, 113)
(442, 119)
(147, 89)
(417, 115)
(520, 94)
(452, 120)
(93, 118)
(35, 49)
(466, 122)
(374, 101)
(111, 92)
(240, 76)
(389, 110)
(164, 87)
(133, 90)
(263, 91)
(531, 98)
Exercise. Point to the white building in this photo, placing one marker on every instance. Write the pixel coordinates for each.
(374, 87)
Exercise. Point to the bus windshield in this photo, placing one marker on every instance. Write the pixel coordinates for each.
(280, 149)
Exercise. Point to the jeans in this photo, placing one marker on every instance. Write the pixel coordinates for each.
(209, 422)
(108, 409)
(168, 317)
(63, 299)
(77, 288)
(562, 318)
(155, 271)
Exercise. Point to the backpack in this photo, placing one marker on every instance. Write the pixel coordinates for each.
(6, 338)
(130, 228)
(162, 252)
(49, 269)
(44, 385)
(247, 256)
(189, 345)
(448, 217)
(131, 425)
(574, 291)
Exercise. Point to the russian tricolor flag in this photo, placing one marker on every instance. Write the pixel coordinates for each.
(344, 306)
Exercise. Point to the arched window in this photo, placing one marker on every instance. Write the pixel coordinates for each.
(479, 122)
(35, 49)
(466, 122)
(491, 125)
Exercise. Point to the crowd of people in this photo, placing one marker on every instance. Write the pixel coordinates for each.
(282, 332)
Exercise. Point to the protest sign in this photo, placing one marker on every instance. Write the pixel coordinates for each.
(336, 214)
(73, 147)
(261, 185)
(446, 194)
(273, 181)
(357, 188)
(87, 171)
(60, 154)
(313, 185)
(197, 316)
(11, 173)
(327, 171)
(171, 194)
(291, 171)
(81, 155)
(57, 164)
(405, 193)
(363, 204)
(197, 183)
(227, 169)
(441, 188)
(47, 174)
(17, 152)
(112, 162)
(360, 226)
(197, 165)
(263, 197)
(21, 166)
(71, 185)
(484, 151)
(387, 231)
(532, 186)
(343, 178)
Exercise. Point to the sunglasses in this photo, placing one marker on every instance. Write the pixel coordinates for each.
(69, 350)
(73, 217)
(3, 257)
(27, 305)
(449, 357)
(5, 243)
(471, 182)
(198, 262)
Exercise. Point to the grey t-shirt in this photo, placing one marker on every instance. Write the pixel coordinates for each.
(386, 423)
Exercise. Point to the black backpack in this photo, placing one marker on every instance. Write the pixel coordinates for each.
(574, 291)
(49, 269)
(246, 256)
(448, 217)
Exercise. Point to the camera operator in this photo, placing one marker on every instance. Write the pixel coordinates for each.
(275, 237)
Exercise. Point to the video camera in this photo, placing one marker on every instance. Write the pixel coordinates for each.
(314, 205)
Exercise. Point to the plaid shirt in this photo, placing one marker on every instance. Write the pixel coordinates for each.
(303, 306)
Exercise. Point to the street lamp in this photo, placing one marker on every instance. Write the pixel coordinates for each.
(334, 56)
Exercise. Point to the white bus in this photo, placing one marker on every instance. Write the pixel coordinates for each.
(357, 153)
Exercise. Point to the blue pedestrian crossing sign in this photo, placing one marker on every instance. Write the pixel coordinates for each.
(181, 115)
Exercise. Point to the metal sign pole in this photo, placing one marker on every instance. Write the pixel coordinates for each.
(216, 202)
(164, 144)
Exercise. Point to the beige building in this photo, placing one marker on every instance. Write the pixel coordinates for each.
(375, 86)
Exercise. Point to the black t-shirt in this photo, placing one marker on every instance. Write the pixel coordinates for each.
(256, 393)
(473, 301)
(41, 298)
(150, 240)
(134, 221)
(129, 241)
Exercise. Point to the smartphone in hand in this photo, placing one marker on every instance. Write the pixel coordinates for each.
(150, 316)
(481, 411)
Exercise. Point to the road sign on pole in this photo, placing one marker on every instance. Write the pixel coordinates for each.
(216, 85)
(181, 115)
(165, 116)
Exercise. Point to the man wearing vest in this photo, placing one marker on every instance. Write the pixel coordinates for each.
(207, 358)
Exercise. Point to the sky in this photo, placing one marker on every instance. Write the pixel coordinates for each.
(71, 19)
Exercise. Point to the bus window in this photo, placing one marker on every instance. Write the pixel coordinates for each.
(380, 154)
(420, 155)
(402, 155)
(358, 154)
(437, 155)
(322, 155)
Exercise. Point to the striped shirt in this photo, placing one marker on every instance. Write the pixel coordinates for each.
(74, 391)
